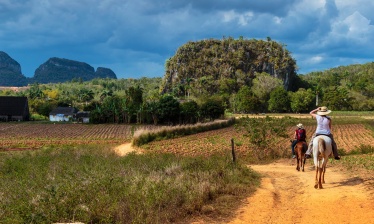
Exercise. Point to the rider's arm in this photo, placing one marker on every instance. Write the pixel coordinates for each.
(313, 112)
(330, 125)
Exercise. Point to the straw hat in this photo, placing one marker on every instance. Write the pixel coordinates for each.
(300, 125)
(323, 111)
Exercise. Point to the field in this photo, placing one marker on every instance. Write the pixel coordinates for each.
(29, 135)
(74, 162)
(347, 136)
(18, 136)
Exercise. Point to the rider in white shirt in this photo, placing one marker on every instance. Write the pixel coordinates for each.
(323, 128)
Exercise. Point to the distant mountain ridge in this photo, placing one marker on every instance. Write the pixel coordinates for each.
(54, 70)
(10, 71)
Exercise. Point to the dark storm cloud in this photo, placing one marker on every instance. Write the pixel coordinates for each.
(135, 37)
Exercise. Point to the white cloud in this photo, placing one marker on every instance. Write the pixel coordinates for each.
(241, 18)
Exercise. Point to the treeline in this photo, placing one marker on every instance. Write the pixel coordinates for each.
(141, 101)
(121, 101)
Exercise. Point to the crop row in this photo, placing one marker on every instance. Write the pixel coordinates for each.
(35, 135)
(31, 135)
(348, 137)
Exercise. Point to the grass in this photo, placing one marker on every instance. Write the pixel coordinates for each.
(361, 157)
(91, 184)
(359, 161)
(144, 136)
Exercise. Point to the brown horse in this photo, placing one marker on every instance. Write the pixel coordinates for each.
(300, 149)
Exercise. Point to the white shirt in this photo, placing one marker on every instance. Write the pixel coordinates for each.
(323, 127)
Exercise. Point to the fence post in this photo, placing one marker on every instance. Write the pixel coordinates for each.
(233, 151)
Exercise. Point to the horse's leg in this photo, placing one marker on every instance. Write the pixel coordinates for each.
(316, 180)
(297, 161)
(303, 156)
(323, 174)
(324, 169)
(297, 157)
(320, 178)
(303, 161)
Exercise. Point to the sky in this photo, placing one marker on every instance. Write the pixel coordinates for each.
(134, 38)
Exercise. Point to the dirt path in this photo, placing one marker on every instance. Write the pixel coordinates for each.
(288, 196)
(124, 149)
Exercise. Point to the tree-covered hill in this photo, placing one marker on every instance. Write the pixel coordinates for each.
(215, 66)
(345, 87)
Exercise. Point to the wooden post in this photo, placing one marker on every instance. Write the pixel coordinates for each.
(233, 151)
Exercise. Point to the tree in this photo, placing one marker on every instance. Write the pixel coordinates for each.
(45, 107)
(134, 101)
(337, 98)
(279, 100)
(189, 112)
(168, 109)
(263, 84)
(246, 101)
(35, 91)
(259, 129)
(302, 100)
(85, 95)
(212, 109)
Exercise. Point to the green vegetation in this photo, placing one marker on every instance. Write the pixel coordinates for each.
(263, 134)
(223, 66)
(93, 185)
(208, 78)
(364, 161)
(142, 137)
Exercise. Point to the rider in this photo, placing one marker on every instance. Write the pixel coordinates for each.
(323, 128)
(299, 136)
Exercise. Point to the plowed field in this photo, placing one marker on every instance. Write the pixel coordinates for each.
(34, 135)
(347, 137)
(31, 136)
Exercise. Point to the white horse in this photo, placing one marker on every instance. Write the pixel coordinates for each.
(321, 151)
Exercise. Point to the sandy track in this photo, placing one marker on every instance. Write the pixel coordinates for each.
(288, 196)
(125, 149)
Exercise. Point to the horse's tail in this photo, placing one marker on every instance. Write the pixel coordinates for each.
(321, 145)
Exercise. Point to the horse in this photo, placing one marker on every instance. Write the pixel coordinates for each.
(300, 149)
(322, 149)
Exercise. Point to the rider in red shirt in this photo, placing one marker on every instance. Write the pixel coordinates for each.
(299, 136)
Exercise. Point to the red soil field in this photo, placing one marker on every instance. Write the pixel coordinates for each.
(34, 135)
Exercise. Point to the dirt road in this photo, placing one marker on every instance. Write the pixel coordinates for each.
(288, 196)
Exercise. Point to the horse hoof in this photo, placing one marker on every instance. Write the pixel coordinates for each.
(316, 186)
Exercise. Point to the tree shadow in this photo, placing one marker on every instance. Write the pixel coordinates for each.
(351, 182)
